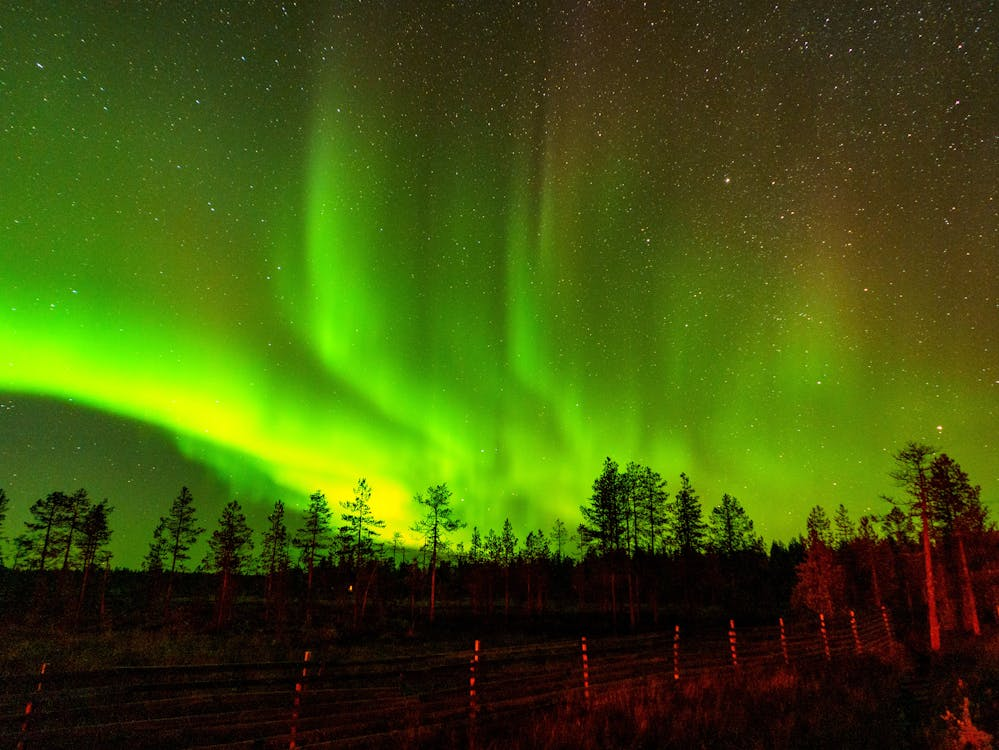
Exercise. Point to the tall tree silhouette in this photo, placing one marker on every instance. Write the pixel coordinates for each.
(42, 541)
(437, 522)
(4, 507)
(686, 523)
(230, 548)
(844, 530)
(820, 579)
(173, 538)
(559, 536)
(504, 553)
(357, 544)
(957, 513)
(274, 559)
(912, 474)
(95, 534)
(730, 529)
(311, 538)
(649, 490)
(604, 518)
(357, 535)
(77, 507)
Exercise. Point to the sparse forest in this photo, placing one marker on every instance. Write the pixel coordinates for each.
(644, 554)
(647, 561)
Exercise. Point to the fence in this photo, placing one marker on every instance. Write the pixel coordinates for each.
(330, 703)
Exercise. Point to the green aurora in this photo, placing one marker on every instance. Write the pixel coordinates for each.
(261, 251)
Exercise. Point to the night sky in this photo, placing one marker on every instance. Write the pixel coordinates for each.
(271, 248)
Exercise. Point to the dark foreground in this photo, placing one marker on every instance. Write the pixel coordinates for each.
(630, 692)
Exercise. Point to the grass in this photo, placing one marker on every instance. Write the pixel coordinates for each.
(861, 702)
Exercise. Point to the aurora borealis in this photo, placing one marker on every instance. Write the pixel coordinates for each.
(268, 248)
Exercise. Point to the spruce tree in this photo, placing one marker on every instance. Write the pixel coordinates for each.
(685, 521)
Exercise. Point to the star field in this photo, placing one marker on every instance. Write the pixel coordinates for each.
(265, 249)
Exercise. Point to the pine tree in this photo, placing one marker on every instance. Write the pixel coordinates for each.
(897, 526)
(173, 538)
(4, 507)
(77, 507)
(820, 582)
(95, 534)
(819, 527)
(844, 530)
(475, 552)
(311, 539)
(559, 536)
(957, 513)
(360, 527)
(230, 548)
(911, 473)
(604, 519)
(44, 537)
(274, 557)
(506, 553)
(651, 498)
(535, 557)
(437, 522)
(730, 529)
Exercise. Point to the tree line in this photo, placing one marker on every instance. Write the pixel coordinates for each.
(638, 548)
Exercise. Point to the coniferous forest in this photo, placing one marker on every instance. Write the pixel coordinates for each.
(644, 556)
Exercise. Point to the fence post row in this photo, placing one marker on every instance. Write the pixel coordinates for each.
(783, 643)
(299, 688)
(825, 636)
(30, 705)
(857, 648)
(676, 653)
(473, 665)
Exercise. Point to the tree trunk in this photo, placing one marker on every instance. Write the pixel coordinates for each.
(83, 591)
(931, 594)
(969, 608)
(632, 617)
(104, 588)
(433, 582)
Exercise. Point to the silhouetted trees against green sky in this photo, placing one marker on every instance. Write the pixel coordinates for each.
(638, 547)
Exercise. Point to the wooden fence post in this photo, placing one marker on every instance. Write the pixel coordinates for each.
(299, 688)
(473, 705)
(29, 707)
(825, 635)
(586, 675)
(676, 653)
(783, 643)
(731, 643)
(856, 635)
